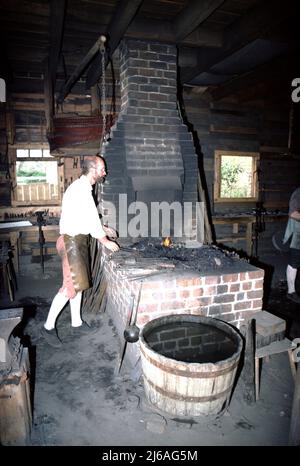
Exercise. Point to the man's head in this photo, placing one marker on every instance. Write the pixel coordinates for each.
(94, 168)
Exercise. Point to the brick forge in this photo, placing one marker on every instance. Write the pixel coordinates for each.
(233, 296)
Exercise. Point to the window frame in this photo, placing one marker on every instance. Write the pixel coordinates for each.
(217, 184)
(13, 174)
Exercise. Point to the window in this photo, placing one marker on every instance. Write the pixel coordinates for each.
(235, 176)
(37, 177)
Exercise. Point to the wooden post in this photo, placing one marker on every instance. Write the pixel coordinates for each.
(294, 437)
(207, 227)
(248, 372)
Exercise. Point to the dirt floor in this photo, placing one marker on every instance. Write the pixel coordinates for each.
(78, 399)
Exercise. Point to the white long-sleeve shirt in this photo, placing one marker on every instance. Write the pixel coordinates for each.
(79, 213)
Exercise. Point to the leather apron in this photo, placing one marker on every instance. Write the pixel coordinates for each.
(77, 250)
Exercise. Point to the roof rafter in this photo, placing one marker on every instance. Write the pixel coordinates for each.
(193, 16)
(244, 30)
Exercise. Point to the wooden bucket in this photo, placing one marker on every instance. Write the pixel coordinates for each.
(189, 363)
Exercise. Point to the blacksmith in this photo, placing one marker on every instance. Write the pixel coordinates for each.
(79, 220)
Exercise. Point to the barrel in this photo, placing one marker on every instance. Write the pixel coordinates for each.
(189, 364)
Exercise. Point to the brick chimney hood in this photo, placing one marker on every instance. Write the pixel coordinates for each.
(151, 155)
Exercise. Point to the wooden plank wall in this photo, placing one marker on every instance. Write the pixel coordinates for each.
(5, 185)
(257, 128)
(28, 111)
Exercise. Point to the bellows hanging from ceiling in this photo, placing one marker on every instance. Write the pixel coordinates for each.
(84, 132)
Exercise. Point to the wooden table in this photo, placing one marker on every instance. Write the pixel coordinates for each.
(11, 231)
(248, 220)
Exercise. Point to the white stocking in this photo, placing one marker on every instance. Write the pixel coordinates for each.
(291, 278)
(59, 301)
(75, 310)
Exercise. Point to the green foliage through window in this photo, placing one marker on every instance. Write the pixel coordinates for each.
(236, 177)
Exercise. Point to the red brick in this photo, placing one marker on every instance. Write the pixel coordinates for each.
(258, 284)
(228, 317)
(255, 294)
(204, 301)
(234, 287)
(221, 289)
(257, 304)
(224, 298)
(246, 315)
(233, 277)
(144, 319)
(243, 276)
(256, 274)
(209, 290)
(242, 305)
(198, 292)
(148, 308)
(202, 311)
(192, 303)
(212, 280)
(184, 282)
(197, 281)
(247, 286)
(219, 309)
(184, 293)
(171, 305)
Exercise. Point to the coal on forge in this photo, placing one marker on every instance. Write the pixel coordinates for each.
(203, 259)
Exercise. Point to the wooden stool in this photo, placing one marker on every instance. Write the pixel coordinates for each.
(275, 347)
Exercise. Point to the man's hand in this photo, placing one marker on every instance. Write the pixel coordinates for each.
(110, 232)
(295, 215)
(111, 245)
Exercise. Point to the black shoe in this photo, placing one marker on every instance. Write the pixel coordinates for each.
(83, 329)
(51, 337)
(293, 297)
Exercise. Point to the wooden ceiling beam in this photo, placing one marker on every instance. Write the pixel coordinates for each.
(163, 31)
(123, 16)
(56, 29)
(193, 16)
(57, 18)
(281, 67)
(79, 70)
(249, 27)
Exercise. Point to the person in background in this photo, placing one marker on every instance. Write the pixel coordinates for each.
(79, 220)
(293, 232)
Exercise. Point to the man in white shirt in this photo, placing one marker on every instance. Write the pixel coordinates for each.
(79, 219)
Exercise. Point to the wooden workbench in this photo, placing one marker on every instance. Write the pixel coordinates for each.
(248, 221)
(19, 231)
